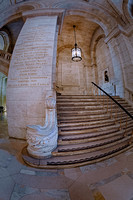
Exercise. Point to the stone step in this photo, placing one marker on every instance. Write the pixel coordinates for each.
(64, 108)
(75, 119)
(79, 103)
(88, 104)
(85, 145)
(88, 135)
(61, 162)
(120, 115)
(75, 96)
(76, 140)
(107, 130)
(64, 115)
(89, 98)
(87, 157)
(83, 112)
(95, 126)
(84, 96)
(94, 107)
(96, 122)
(83, 118)
(76, 100)
(87, 148)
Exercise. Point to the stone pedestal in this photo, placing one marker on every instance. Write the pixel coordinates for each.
(30, 75)
(42, 140)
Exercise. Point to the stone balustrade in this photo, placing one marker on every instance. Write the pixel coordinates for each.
(5, 55)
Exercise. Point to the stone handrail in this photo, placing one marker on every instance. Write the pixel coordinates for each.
(5, 55)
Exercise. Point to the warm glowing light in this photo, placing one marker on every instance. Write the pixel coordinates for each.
(76, 52)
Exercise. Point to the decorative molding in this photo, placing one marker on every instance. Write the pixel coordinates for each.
(117, 31)
(5, 56)
(42, 140)
(118, 15)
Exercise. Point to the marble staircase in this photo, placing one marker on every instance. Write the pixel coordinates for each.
(89, 131)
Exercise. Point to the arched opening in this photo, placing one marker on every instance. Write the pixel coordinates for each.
(4, 41)
(75, 77)
(3, 85)
(130, 7)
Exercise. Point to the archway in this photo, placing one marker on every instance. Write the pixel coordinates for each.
(75, 77)
(3, 84)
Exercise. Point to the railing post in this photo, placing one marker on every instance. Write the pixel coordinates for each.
(126, 127)
(103, 99)
(120, 119)
(111, 109)
(107, 103)
(97, 95)
(116, 115)
(94, 90)
(131, 139)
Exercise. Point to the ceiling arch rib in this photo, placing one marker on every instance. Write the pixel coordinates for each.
(126, 4)
(95, 13)
(97, 35)
(91, 17)
(84, 32)
(15, 12)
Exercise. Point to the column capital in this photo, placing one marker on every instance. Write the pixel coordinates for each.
(117, 31)
(114, 33)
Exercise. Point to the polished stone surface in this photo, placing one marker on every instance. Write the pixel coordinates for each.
(108, 180)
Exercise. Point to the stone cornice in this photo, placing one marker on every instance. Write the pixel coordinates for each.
(118, 30)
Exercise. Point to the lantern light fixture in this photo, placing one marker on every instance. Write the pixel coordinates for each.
(76, 51)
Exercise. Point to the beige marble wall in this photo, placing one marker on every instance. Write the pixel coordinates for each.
(104, 63)
(70, 74)
(30, 74)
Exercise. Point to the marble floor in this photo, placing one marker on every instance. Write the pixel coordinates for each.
(108, 180)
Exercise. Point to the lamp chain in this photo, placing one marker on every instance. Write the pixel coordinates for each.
(74, 34)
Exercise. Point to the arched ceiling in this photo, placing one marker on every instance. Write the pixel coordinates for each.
(101, 11)
(85, 14)
(84, 32)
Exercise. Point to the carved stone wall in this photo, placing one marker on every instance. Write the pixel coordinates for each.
(30, 74)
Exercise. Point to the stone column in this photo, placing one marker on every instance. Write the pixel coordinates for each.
(30, 75)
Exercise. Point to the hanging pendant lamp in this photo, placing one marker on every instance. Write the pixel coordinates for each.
(76, 52)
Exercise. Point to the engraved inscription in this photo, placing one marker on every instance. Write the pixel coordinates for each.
(32, 57)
